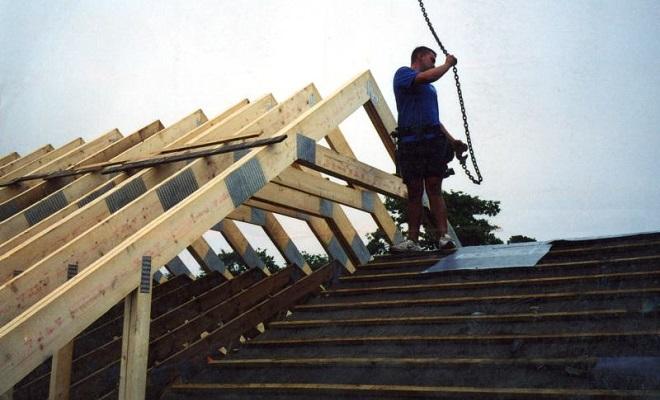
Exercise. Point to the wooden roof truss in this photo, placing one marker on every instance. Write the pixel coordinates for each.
(115, 228)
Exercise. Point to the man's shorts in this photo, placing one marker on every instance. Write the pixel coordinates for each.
(424, 158)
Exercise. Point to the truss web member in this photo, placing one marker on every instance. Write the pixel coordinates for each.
(424, 145)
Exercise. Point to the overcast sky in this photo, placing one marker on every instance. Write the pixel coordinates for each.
(562, 96)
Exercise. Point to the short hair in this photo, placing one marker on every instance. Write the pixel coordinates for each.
(419, 51)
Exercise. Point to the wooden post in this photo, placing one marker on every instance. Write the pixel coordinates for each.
(135, 339)
(60, 372)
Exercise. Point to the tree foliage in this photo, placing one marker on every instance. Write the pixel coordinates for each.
(235, 263)
(464, 213)
(315, 261)
(520, 239)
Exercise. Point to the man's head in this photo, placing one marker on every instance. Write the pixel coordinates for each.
(422, 58)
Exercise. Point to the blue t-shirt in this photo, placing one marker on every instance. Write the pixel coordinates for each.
(417, 105)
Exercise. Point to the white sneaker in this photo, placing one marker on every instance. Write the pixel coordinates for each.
(405, 246)
(446, 242)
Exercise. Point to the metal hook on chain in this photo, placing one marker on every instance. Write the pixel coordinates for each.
(479, 178)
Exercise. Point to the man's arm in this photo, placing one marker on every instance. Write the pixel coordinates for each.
(435, 73)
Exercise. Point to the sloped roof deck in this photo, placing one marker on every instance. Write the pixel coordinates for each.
(582, 324)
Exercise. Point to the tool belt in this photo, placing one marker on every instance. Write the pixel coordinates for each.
(405, 135)
(409, 135)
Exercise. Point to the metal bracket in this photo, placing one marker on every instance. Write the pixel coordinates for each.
(145, 276)
(71, 271)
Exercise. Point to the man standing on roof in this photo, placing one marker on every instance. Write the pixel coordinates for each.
(424, 145)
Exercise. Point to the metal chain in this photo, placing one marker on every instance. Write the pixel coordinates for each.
(479, 178)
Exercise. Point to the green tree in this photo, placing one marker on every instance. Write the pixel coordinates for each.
(315, 261)
(466, 214)
(520, 239)
(236, 266)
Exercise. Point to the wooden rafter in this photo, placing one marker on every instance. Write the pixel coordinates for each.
(26, 159)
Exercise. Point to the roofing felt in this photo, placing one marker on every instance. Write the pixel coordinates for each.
(583, 323)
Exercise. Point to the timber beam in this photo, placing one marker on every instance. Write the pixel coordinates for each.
(319, 227)
(4, 160)
(381, 216)
(357, 173)
(319, 207)
(26, 159)
(66, 160)
(146, 208)
(136, 185)
(275, 232)
(135, 338)
(36, 208)
(240, 245)
(72, 203)
(207, 258)
(44, 159)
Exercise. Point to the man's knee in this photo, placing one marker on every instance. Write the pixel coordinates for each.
(434, 186)
(415, 190)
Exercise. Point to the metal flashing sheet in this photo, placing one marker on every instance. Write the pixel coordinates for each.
(493, 256)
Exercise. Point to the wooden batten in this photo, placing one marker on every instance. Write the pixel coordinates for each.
(6, 193)
(160, 138)
(192, 136)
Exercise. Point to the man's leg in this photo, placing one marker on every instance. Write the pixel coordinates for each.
(438, 207)
(415, 192)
